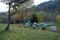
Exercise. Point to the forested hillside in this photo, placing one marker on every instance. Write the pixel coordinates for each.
(49, 10)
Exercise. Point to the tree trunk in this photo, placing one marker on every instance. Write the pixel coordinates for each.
(7, 28)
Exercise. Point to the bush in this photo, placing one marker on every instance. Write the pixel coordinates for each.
(39, 17)
(58, 18)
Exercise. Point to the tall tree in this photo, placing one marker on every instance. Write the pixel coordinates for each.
(15, 4)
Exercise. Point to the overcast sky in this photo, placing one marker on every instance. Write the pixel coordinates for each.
(4, 7)
(36, 2)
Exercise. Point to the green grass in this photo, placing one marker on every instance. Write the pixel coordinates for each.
(21, 33)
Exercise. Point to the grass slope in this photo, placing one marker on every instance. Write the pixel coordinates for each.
(21, 33)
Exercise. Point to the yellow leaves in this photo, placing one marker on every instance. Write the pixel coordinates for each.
(58, 18)
(39, 17)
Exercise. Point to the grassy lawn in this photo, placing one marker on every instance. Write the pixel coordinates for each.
(21, 33)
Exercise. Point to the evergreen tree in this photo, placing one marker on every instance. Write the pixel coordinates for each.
(34, 19)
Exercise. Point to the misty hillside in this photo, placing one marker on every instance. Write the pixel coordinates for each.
(49, 6)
